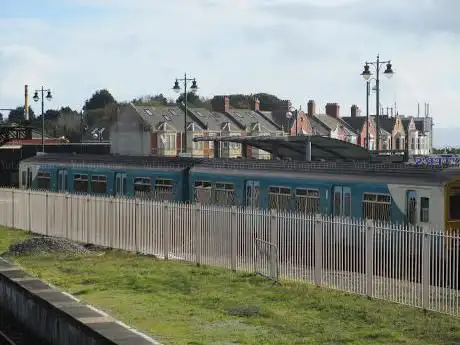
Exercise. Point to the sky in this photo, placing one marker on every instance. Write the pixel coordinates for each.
(297, 50)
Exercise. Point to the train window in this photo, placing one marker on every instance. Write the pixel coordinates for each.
(424, 210)
(24, 178)
(43, 180)
(224, 194)
(142, 186)
(377, 206)
(307, 200)
(279, 197)
(347, 204)
(164, 189)
(99, 184)
(203, 192)
(411, 207)
(80, 183)
(454, 204)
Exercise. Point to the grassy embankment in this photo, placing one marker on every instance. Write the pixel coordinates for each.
(182, 304)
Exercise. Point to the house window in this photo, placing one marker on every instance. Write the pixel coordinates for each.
(279, 197)
(167, 141)
(43, 180)
(98, 184)
(377, 206)
(424, 210)
(142, 187)
(307, 200)
(80, 183)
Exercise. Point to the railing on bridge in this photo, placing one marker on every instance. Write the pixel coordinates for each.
(401, 264)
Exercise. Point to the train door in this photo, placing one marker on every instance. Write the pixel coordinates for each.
(62, 181)
(120, 184)
(29, 178)
(411, 207)
(252, 194)
(341, 201)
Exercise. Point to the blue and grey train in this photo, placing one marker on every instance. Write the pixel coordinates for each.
(400, 193)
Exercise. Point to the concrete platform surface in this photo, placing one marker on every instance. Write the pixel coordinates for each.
(97, 321)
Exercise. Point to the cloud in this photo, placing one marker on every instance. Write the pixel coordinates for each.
(298, 50)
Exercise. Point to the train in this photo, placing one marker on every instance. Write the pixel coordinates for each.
(399, 193)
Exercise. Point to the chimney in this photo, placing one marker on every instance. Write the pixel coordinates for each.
(255, 104)
(354, 110)
(333, 109)
(220, 104)
(311, 108)
(284, 105)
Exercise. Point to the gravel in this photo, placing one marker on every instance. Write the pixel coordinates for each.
(42, 245)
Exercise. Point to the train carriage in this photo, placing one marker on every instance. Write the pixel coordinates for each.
(159, 178)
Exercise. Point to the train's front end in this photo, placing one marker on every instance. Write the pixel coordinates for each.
(452, 208)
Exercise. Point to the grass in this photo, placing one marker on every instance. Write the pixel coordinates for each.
(185, 305)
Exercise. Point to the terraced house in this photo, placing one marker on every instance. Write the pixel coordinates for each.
(146, 130)
(330, 123)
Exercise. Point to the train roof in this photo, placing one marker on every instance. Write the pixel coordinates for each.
(112, 161)
(388, 172)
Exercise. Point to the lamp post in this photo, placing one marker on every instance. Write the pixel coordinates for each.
(368, 93)
(289, 115)
(42, 97)
(367, 75)
(193, 88)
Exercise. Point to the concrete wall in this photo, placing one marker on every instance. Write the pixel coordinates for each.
(128, 135)
(57, 317)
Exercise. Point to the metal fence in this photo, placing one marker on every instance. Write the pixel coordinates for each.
(395, 263)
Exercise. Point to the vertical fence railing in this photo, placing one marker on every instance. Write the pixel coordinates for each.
(406, 265)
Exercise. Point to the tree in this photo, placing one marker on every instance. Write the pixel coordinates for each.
(268, 102)
(17, 115)
(1, 117)
(52, 114)
(154, 100)
(99, 100)
(194, 100)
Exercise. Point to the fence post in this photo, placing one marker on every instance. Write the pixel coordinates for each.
(136, 226)
(370, 232)
(66, 215)
(87, 219)
(166, 231)
(46, 213)
(426, 270)
(233, 237)
(198, 232)
(29, 212)
(318, 231)
(12, 208)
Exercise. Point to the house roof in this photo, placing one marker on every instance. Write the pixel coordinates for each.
(332, 123)
(249, 118)
(213, 120)
(355, 122)
(317, 126)
(278, 117)
(156, 116)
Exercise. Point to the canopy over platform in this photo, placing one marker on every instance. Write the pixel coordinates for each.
(308, 148)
